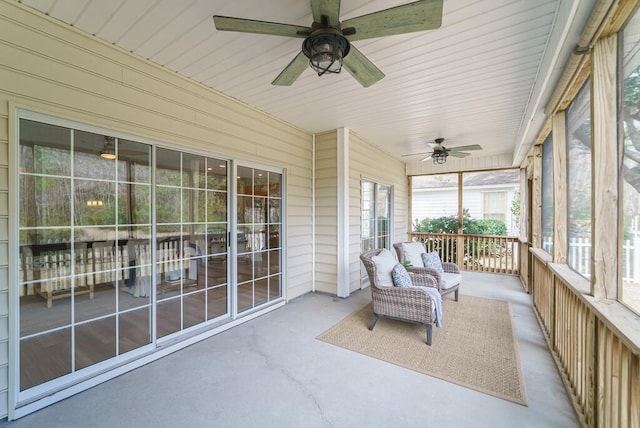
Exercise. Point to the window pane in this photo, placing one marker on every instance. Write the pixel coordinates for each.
(45, 201)
(579, 181)
(216, 174)
(134, 204)
(368, 220)
(87, 160)
(630, 292)
(547, 195)
(488, 200)
(376, 208)
(44, 148)
(435, 203)
(134, 160)
(168, 167)
(95, 202)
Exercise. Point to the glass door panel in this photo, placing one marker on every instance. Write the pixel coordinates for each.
(191, 240)
(258, 215)
(85, 229)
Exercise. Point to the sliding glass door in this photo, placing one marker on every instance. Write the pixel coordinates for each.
(259, 241)
(85, 245)
(125, 245)
(190, 240)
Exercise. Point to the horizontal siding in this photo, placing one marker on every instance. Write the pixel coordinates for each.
(434, 204)
(56, 70)
(367, 161)
(326, 233)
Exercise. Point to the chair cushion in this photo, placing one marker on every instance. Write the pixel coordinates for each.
(448, 280)
(432, 260)
(385, 262)
(401, 277)
(412, 252)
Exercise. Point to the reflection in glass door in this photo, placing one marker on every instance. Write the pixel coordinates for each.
(85, 228)
(123, 245)
(259, 239)
(191, 245)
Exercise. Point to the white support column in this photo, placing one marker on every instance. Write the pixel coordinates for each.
(342, 241)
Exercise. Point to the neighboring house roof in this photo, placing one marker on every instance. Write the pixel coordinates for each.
(504, 177)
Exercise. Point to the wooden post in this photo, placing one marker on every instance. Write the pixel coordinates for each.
(604, 155)
(460, 238)
(559, 136)
(536, 209)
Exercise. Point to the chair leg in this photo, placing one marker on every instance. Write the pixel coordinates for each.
(456, 294)
(429, 328)
(373, 322)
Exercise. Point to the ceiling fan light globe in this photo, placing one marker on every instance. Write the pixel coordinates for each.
(108, 151)
(439, 158)
(325, 50)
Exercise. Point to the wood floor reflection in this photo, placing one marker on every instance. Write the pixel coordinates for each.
(47, 354)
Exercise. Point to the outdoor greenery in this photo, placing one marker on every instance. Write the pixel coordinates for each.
(449, 224)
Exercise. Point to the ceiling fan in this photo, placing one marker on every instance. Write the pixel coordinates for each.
(327, 42)
(440, 152)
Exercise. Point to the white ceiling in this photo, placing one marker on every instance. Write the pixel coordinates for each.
(482, 78)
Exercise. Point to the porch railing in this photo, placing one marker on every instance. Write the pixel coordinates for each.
(579, 256)
(594, 344)
(480, 253)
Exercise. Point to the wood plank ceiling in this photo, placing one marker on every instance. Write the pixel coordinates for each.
(482, 78)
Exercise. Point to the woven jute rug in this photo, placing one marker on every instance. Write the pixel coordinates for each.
(476, 347)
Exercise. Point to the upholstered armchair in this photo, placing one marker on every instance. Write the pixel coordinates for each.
(448, 278)
(411, 304)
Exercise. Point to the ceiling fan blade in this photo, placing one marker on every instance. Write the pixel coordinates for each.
(329, 8)
(226, 23)
(363, 70)
(462, 148)
(417, 16)
(292, 71)
(414, 154)
(459, 154)
(426, 159)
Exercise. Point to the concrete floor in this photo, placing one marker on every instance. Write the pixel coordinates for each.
(272, 372)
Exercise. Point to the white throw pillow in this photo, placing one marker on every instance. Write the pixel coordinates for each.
(412, 252)
(385, 262)
(432, 260)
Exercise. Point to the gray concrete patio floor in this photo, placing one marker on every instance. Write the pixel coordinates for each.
(272, 372)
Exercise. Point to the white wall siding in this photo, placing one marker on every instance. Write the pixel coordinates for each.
(326, 212)
(367, 161)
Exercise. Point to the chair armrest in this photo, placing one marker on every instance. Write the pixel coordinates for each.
(410, 303)
(450, 267)
(424, 280)
(425, 271)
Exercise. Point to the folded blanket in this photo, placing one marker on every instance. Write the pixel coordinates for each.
(436, 298)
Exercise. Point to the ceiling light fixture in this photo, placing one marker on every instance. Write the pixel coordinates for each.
(326, 48)
(439, 158)
(108, 151)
